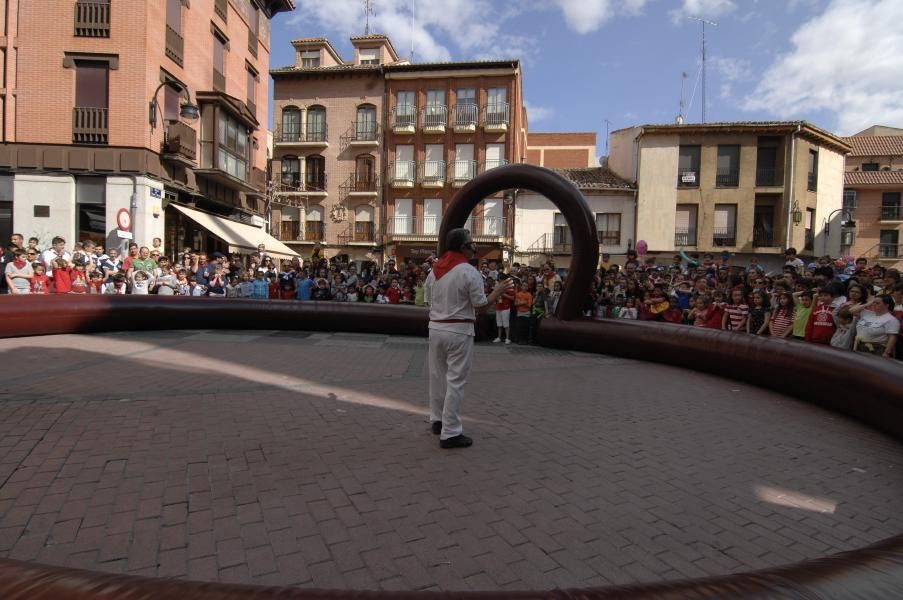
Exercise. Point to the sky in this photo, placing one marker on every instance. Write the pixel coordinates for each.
(835, 63)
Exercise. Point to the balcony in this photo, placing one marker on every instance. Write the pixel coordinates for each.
(495, 118)
(404, 119)
(685, 237)
(92, 18)
(763, 238)
(434, 118)
(557, 242)
(729, 178)
(90, 125)
(890, 251)
(175, 46)
(291, 184)
(465, 118)
(486, 165)
(363, 185)
(486, 228)
(413, 228)
(688, 179)
(610, 238)
(402, 173)
(180, 144)
(313, 231)
(364, 134)
(289, 231)
(432, 173)
(891, 214)
(463, 171)
(724, 237)
(312, 137)
(769, 177)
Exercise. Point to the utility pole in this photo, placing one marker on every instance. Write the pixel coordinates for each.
(704, 23)
(607, 124)
(368, 10)
(413, 25)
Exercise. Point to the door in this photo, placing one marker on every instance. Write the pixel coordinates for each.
(365, 130)
(432, 215)
(365, 174)
(495, 155)
(404, 163)
(433, 164)
(403, 220)
(465, 107)
(434, 112)
(316, 173)
(464, 161)
(685, 225)
(405, 109)
(763, 225)
(291, 125)
(496, 106)
(313, 226)
(363, 223)
(316, 124)
(493, 223)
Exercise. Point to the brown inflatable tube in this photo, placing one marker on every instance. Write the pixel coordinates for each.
(872, 573)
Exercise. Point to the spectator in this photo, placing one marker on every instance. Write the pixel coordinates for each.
(844, 329)
(40, 282)
(523, 301)
(877, 329)
(820, 327)
(782, 320)
(759, 314)
(736, 313)
(19, 273)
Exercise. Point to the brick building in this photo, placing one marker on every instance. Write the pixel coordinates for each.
(562, 150)
(873, 184)
(100, 113)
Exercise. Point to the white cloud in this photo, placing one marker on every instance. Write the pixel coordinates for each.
(730, 71)
(705, 9)
(538, 113)
(848, 60)
(586, 16)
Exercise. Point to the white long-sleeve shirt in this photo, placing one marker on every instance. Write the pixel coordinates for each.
(455, 296)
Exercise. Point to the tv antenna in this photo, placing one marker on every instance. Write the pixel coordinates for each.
(680, 113)
(607, 124)
(413, 25)
(368, 12)
(703, 22)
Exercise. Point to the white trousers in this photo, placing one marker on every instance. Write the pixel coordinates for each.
(451, 355)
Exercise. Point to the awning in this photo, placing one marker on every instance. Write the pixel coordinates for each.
(240, 237)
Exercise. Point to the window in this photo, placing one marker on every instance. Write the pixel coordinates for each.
(404, 163)
(849, 199)
(365, 174)
(890, 207)
(233, 146)
(562, 233)
(365, 126)
(724, 232)
(767, 173)
(313, 225)
(175, 45)
(434, 163)
(434, 111)
(763, 225)
(688, 166)
(219, 62)
(405, 109)
(609, 227)
(316, 124)
(90, 118)
(315, 177)
(172, 100)
(497, 106)
(253, 28)
(432, 215)
(310, 59)
(92, 18)
(363, 223)
(727, 172)
(810, 231)
(91, 208)
(369, 56)
(870, 166)
(252, 89)
(812, 177)
(685, 225)
(889, 243)
(291, 171)
(464, 166)
(495, 156)
(465, 107)
(403, 221)
(291, 125)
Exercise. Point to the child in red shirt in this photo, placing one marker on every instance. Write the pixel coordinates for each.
(40, 282)
(394, 292)
(275, 292)
(820, 326)
(79, 280)
(95, 283)
(62, 277)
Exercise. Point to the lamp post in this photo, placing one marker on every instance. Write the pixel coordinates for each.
(187, 110)
(849, 223)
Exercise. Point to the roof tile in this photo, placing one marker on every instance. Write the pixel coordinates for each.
(873, 178)
(595, 178)
(876, 145)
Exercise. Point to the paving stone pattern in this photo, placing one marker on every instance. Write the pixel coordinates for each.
(305, 459)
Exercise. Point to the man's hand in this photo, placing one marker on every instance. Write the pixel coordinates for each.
(500, 288)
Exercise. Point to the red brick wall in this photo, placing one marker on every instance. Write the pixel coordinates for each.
(565, 159)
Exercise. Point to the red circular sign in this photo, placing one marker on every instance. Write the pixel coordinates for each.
(123, 219)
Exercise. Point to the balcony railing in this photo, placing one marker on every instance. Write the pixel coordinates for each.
(890, 250)
(289, 231)
(727, 178)
(222, 8)
(402, 172)
(610, 238)
(363, 232)
(362, 184)
(181, 140)
(688, 179)
(495, 116)
(92, 18)
(492, 163)
(465, 116)
(364, 131)
(313, 134)
(175, 47)
(432, 173)
(404, 116)
(724, 237)
(685, 237)
(90, 125)
(313, 231)
(485, 227)
(892, 213)
(763, 238)
(768, 177)
(434, 116)
(315, 182)
(463, 170)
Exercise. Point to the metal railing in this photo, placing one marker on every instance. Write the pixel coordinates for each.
(314, 182)
(364, 131)
(610, 238)
(557, 242)
(464, 170)
(314, 231)
(363, 231)
(684, 237)
(727, 178)
(90, 125)
(890, 250)
(432, 171)
(465, 115)
(768, 177)
(175, 47)
(495, 115)
(892, 213)
(289, 231)
(92, 18)
(491, 164)
(434, 116)
(404, 115)
(402, 171)
(486, 227)
(688, 179)
(724, 236)
(181, 139)
(363, 183)
(295, 135)
(763, 237)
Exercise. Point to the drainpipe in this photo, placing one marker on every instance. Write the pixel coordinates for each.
(133, 211)
(636, 192)
(789, 222)
(383, 212)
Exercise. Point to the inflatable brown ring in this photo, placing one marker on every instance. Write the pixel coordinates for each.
(871, 573)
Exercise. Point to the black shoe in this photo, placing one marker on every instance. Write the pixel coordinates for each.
(459, 441)
(437, 427)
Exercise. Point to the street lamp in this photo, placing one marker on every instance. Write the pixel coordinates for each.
(848, 224)
(187, 110)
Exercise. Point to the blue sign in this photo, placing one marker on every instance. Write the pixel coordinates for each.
(156, 193)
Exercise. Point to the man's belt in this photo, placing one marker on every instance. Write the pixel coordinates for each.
(451, 320)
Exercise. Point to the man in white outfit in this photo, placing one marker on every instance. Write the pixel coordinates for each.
(453, 290)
